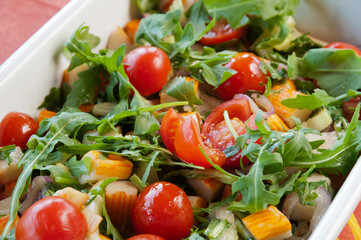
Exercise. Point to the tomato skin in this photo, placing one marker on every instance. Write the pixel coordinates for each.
(342, 45)
(168, 128)
(221, 32)
(216, 133)
(52, 218)
(187, 142)
(164, 209)
(236, 108)
(16, 128)
(146, 237)
(348, 108)
(248, 76)
(148, 69)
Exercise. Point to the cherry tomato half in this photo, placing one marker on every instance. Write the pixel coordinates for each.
(342, 45)
(16, 128)
(221, 32)
(146, 237)
(216, 133)
(148, 69)
(187, 142)
(168, 128)
(52, 218)
(163, 209)
(248, 76)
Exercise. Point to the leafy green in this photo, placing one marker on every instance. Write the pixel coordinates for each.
(317, 99)
(209, 65)
(40, 148)
(78, 168)
(342, 156)
(328, 67)
(306, 190)
(53, 101)
(5, 153)
(236, 11)
(183, 90)
(147, 6)
(99, 190)
(301, 45)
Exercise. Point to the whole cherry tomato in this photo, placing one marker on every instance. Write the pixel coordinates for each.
(146, 237)
(248, 76)
(168, 128)
(187, 142)
(342, 45)
(221, 32)
(148, 69)
(163, 209)
(348, 108)
(52, 218)
(16, 128)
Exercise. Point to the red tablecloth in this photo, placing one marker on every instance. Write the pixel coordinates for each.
(19, 19)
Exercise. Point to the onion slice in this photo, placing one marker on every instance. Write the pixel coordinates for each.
(263, 103)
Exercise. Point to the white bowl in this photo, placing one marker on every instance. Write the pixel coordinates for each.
(331, 20)
(27, 76)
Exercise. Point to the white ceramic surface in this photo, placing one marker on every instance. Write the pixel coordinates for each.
(27, 76)
(331, 20)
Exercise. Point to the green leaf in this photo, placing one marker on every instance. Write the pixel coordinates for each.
(255, 196)
(80, 43)
(236, 11)
(84, 88)
(53, 101)
(198, 16)
(183, 90)
(154, 28)
(5, 153)
(301, 45)
(328, 66)
(147, 6)
(78, 168)
(40, 148)
(318, 99)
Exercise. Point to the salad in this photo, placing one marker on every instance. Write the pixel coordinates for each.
(198, 121)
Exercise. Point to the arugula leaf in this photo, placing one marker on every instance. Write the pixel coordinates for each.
(183, 90)
(5, 153)
(78, 168)
(306, 190)
(255, 196)
(328, 66)
(84, 89)
(147, 6)
(342, 156)
(99, 190)
(61, 176)
(236, 11)
(40, 148)
(80, 43)
(301, 45)
(317, 99)
(209, 65)
(53, 101)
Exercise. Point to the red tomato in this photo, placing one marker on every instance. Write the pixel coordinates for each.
(216, 134)
(248, 76)
(187, 142)
(146, 237)
(16, 128)
(163, 209)
(221, 32)
(348, 108)
(168, 128)
(148, 69)
(342, 45)
(52, 218)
